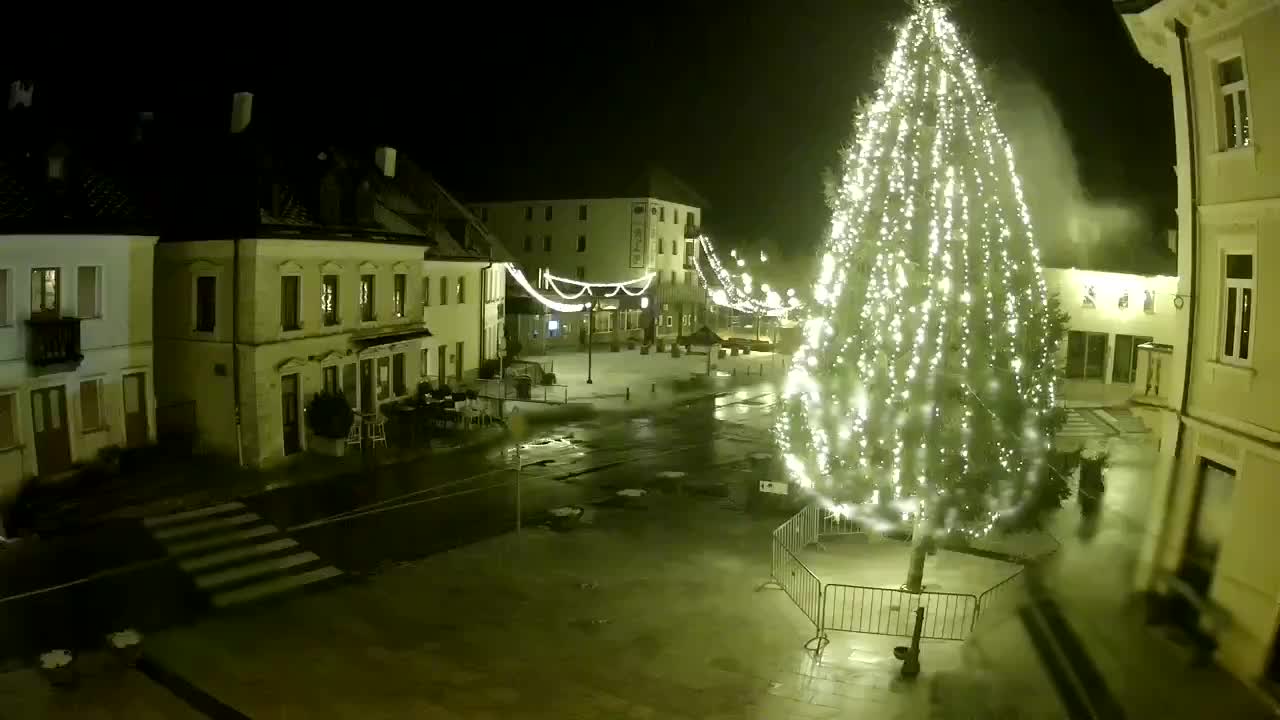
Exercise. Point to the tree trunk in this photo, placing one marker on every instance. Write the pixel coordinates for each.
(919, 551)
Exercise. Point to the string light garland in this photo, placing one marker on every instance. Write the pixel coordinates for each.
(737, 293)
(925, 381)
(631, 288)
(523, 282)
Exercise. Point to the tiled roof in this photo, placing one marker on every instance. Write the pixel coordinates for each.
(89, 199)
(602, 180)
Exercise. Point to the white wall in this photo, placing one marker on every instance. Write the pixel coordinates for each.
(116, 342)
(453, 322)
(1106, 316)
(197, 366)
(607, 229)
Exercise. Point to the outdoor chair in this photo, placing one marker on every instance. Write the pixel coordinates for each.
(354, 434)
(377, 431)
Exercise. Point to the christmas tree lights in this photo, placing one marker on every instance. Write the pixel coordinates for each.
(924, 387)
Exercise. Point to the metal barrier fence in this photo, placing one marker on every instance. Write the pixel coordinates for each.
(507, 390)
(834, 523)
(879, 611)
(884, 611)
(793, 576)
(1001, 595)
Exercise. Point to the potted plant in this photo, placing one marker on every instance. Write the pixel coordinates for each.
(675, 350)
(660, 345)
(549, 378)
(58, 667)
(126, 645)
(329, 417)
(1093, 462)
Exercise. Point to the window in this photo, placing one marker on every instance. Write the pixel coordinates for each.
(329, 299)
(4, 297)
(582, 212)
(528, 213)
(1237, 308)
(329, 378)
(45, 291)
(1086, 355)
(484, 214)
(528, 243)
(675, 249)
(1149, 302)
(444, 290)
(384, 377)
(423, 369)
(662, 246)
(675, 216)
(1124, 368)
(289, 319)
(582, 272)
(546, 213)
(662, 214)
(546, 243)
(462, 289)
(397, 293)
(366, 298)
(582, 243)
(91, 415)
(206, 303)
(691, 220)
(1234, 90)
(89, 291)
(688, 254)
(1210, 524)
(397, 374)
(8, 420)
(673, 277)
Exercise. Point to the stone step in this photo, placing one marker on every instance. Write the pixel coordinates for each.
(239, 573)
(243, 552)
(161, 520)
(183, 531)
(273, 586)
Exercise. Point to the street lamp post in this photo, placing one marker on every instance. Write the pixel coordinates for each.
(591, 326)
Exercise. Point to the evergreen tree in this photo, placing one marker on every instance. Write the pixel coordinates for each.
(924, 390)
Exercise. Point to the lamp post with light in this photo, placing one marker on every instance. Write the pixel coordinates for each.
(591, 327)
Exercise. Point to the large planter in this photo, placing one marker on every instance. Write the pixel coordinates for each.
(660, 346)
(615, 346)
(675, 350)
(330, 447)
(644, 349)
(58, 667)
(524, 388)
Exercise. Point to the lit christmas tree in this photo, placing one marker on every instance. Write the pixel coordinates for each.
(924, 389)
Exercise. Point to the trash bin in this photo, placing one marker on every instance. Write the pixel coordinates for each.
(524, 387)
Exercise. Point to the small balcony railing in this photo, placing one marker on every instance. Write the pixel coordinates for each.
(1152, 382)
(54, 341)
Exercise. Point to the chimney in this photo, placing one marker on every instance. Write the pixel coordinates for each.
(386, 159)
(20, 92)
(241, 111)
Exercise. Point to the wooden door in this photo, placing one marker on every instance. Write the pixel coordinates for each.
(135, 410)
(289, 413)
(367, 402)
(49, 426)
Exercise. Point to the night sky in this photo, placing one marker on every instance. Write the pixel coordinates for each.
(747, 102)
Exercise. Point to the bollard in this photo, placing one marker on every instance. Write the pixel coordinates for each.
(911, 664)
(761, 373)
(628, 393)
(654, 388)
(735, 372)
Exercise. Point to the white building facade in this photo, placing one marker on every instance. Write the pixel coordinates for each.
(313, 315)
(1111, 314)
(76, 371)
(1213, 534)
(602, 240)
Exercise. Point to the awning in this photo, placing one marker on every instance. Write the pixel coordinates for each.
(704, 336)
(390, 336)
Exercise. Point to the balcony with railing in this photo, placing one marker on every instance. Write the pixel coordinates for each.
(53, 341)
(1154, 379)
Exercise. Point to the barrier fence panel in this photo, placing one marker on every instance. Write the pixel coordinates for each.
(798, 582)
(800, 531)
(1002, 597)
(885, 611)
(834, 523)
